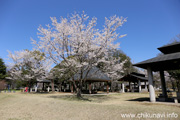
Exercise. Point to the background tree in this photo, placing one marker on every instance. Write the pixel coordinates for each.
(127, 66)
(28, 66)
(79, 38)
(176, 81)
(116, 66)
(59, 75)
(2, 69)
(175, 39)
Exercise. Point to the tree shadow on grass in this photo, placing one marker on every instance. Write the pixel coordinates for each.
(142, 99)
(35, 93)
(146, 99)
(85, 98)
(41, 93)
(99, 98)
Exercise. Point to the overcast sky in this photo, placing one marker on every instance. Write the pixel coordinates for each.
(150, 23)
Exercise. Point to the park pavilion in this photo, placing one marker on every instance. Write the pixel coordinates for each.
(169, 60)
(94, 75)
(135, 81)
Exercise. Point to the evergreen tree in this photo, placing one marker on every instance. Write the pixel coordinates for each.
(2, 69)
(127, 67)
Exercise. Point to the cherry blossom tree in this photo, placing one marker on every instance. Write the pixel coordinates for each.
(78, 43)
(29, 66)
(112, 66)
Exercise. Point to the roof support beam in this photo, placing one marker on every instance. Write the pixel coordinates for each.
(163, 84)
(151, 85)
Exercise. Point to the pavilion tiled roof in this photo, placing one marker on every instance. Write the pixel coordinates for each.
(141, 78)
(170, 60)
(170, 48)
(170, 45)
(160, 58)
(43, 81)
(94, 75)
(133, 77)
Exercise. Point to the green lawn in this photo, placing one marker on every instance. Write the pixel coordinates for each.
(65, 106)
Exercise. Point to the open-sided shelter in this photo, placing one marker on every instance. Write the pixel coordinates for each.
(93, 75)
(135, 78)
(170, 60)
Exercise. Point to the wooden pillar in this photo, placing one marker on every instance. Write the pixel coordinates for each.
(123, 91)
(48, 88)
(90, 88)
(151, 85)
(43, 86)
(30, 90)
(72, 88)
(145, 86)
(52, 85)
(130, 86)
(36, 87)
(107, 88)
(139, 84)
(163, 84)
(134, 87)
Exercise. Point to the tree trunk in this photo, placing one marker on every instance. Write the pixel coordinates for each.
(79, 90)
(172, 83)
(178, 85)
(74, 83)
(112, 86)
(29, 87)
(79, 93)
(52, 85)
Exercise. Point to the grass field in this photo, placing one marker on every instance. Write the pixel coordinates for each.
(65, 106)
